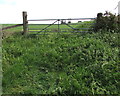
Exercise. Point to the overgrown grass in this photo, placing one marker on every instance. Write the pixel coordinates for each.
(61, 64)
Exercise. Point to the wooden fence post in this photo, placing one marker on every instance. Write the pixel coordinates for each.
(25, 23)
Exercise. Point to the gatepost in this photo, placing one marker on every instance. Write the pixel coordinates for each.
(25, 23)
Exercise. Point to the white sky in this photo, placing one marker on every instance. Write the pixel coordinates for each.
(11, 10)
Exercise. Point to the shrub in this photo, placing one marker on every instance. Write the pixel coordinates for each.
(106, 21)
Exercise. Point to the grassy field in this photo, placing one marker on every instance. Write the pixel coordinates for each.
(87, 63)
(34, 28)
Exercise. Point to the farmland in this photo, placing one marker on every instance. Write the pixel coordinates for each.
(84, 63)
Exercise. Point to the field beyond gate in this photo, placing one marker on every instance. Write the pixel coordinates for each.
(61, 26)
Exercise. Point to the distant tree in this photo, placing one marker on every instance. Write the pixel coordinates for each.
(69, 22)
(79, 21)
(63, 22)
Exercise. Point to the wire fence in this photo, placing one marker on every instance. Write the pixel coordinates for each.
(13, 26)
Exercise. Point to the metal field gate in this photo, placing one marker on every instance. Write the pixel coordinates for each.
(47, 26)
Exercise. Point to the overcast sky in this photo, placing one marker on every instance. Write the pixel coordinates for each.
(11, 10)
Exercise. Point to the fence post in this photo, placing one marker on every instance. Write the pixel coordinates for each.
(25, 23)
(118, 21)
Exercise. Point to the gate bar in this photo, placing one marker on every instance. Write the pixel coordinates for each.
(61, 19)
(48, 26)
